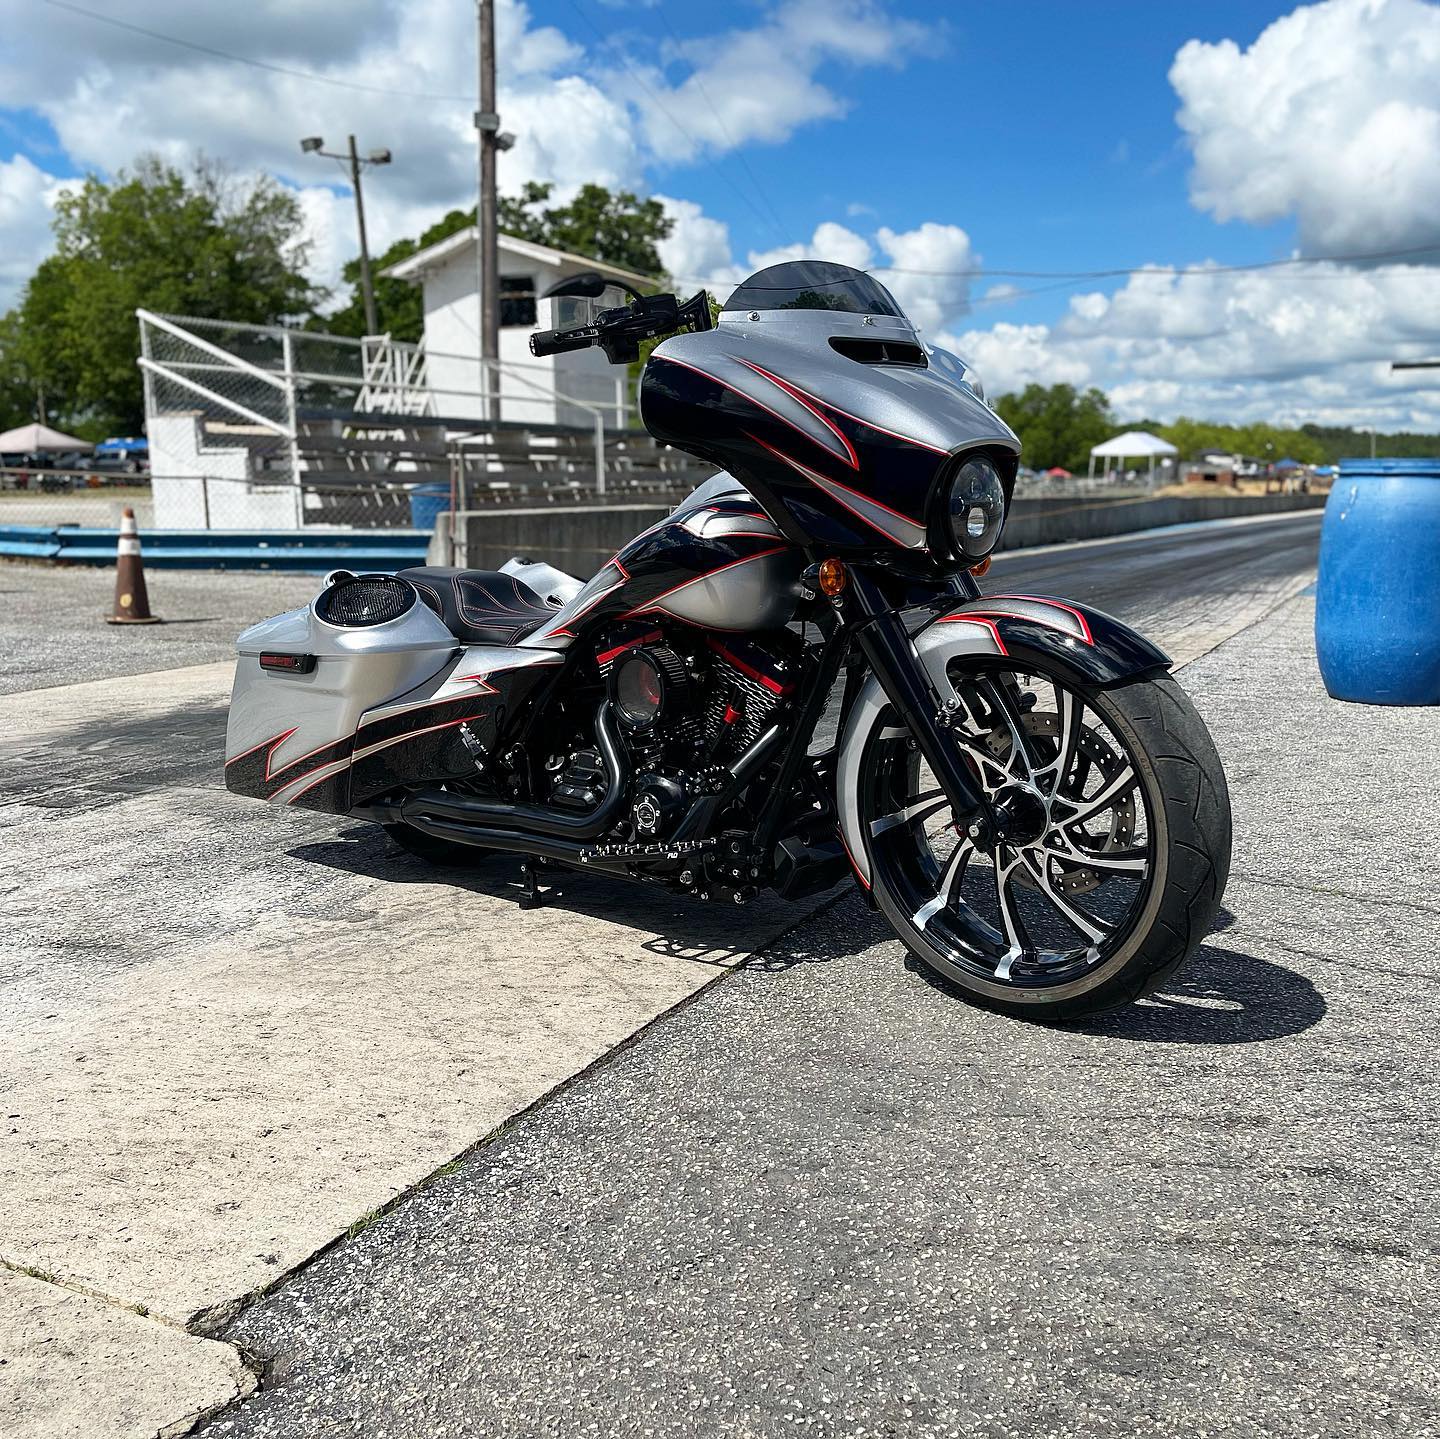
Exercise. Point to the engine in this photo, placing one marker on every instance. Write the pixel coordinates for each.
(688, 707)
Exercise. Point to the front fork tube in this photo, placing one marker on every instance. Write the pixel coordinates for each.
(886, 645)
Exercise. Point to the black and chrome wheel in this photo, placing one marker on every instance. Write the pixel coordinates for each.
(1106, 860)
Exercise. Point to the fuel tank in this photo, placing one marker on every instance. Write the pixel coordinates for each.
(843, 425)
(719, 563)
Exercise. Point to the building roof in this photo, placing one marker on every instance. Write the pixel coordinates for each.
(1132, 443)
(443, 251)
(30, 438)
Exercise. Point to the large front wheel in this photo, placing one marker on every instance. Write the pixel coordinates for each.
(1112, 848)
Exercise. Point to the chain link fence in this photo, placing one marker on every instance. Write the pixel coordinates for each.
(36, 496)
(350, 427)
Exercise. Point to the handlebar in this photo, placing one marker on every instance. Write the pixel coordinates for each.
(557, 342)
(619, 331)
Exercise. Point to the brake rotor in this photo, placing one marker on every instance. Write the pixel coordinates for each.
(1075, 878)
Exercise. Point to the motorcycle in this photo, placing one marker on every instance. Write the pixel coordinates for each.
(793, 678)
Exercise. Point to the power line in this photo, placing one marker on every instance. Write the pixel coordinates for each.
(660, 106)
(219, 54)
(736, 151)
(1120, 273)
(1064, 276)
(1066, 279)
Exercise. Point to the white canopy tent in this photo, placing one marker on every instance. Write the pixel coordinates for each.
(31, 439)
(1132, 445)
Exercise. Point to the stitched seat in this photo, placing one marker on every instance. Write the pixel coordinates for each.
(481, 607)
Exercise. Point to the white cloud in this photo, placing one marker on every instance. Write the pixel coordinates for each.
(27, 205)
(761, 83)
(1289, 345)
(1332, 116)
(1009, 357)
(697, 250)
(831, 241)
(928, 274)
(111, 94)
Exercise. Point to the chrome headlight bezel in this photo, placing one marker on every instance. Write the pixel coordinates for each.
(971, 509)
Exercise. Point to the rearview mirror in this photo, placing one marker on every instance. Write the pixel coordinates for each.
(587, 285)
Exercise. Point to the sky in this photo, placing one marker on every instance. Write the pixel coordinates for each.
(976, 156)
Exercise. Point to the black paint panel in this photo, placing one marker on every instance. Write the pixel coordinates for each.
(696, 412)
(246, 774)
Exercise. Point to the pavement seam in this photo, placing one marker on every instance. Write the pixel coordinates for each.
(247, 1363)
(1285, 595)
(207, 1322)
(60, 1281)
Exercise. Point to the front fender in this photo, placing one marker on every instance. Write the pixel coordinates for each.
(1095, 648)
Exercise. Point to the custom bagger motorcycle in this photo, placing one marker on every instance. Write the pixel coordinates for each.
(793, 677)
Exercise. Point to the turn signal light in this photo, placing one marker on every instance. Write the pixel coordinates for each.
(831, 577)
(979, 570)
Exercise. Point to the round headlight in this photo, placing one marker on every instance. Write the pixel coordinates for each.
(975, 509)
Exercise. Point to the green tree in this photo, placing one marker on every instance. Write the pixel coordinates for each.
(1258, 441)
(1057, 424)
(399, 304)
(205, 244)
(616, 227)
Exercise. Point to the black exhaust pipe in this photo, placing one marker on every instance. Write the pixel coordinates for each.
(465, 812)
(551, 833)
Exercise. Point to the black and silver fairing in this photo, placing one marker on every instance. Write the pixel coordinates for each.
(817, 393)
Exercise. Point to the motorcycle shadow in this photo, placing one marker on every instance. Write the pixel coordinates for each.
(1222, 996)
(695, 931)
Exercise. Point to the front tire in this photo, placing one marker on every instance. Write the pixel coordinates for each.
(1109, 876)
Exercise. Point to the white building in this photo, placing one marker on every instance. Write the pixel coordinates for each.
(564, 389)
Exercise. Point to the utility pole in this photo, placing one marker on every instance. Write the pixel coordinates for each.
(487, 263)
(355, 162)
(372, 325)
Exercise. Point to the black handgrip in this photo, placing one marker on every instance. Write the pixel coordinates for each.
(556, 342)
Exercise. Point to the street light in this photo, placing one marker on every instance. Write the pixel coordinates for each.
(355, 162)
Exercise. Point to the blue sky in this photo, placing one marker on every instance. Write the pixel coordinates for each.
(1046, 129)
(890, 133)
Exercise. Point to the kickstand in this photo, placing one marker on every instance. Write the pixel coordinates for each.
(534, 896)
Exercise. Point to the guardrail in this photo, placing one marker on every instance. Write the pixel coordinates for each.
(575, 537)
(299, 550)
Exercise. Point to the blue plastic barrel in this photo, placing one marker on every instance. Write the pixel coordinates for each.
(1377, 608)
(427, 504)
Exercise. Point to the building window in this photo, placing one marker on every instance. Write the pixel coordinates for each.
(517, 300)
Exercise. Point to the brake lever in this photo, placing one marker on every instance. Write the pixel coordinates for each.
(646, 317)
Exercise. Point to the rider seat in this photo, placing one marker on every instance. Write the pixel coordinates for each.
(480, 607)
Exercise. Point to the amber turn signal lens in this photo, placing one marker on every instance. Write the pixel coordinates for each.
(979, 570)
(832, 577)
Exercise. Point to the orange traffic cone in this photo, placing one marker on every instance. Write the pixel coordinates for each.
(132, 603)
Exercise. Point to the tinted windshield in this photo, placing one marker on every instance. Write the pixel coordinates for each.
(814, 285)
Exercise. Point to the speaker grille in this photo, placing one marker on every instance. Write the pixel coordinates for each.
(365, 600)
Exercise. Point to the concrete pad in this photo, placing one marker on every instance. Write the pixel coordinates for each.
(185, 1133)
(828, 1197)
(38, 715)
(72, 1367)
(1334, 797)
